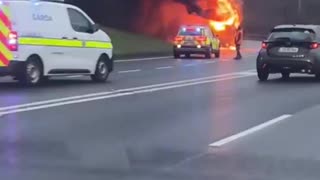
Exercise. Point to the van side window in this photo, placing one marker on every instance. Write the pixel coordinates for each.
(79, 22)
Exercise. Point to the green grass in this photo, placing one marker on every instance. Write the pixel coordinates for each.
(131, 44)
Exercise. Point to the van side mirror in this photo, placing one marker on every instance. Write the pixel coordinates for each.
(95, 28)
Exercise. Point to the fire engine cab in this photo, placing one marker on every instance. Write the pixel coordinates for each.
(43, 38)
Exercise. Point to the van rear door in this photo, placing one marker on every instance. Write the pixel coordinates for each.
(7, 46)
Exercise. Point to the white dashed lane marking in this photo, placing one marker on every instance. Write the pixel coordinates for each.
(249, 131)
(129, 71)
(164, 67)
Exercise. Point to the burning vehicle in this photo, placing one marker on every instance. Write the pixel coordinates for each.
(163, 18)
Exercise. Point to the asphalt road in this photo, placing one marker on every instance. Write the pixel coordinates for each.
(163, 119)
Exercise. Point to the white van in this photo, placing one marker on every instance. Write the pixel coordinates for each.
(39, 39)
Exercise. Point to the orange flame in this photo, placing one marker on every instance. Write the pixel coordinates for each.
(229, 18)
(230, 14)
(162, 18)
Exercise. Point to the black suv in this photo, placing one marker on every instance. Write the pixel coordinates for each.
(290, 49)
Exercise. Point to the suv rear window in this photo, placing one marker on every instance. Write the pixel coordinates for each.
(294, 34)
(191, 32)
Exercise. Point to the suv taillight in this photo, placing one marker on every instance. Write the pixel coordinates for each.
(178, 39)
(264, 45)
(201, 39)
(13, 41)
(314, 45)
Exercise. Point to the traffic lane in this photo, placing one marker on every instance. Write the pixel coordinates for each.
(226, 55)
(187, 70)
(249, 48)
(12, 93)
(294, 138)
(287, 150)
(154, 130)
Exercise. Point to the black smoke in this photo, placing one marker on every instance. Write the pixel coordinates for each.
(191, 6)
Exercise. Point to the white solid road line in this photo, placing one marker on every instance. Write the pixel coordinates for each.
(129, 71)
(249, 131)
(142, 59)
(164, 67)
(112, 94)
(120, 91)
(45, 106)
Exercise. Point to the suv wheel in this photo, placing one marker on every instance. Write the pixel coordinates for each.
(263, 74)
(285, 75)
(208, 53)
(217, 54)
(176, 55)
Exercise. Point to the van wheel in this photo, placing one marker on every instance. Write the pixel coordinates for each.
(101, 73)
(32, 73)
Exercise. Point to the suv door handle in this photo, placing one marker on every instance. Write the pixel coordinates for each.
(64, 38)
(75, 38)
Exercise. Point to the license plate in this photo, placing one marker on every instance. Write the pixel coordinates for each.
(288, 50)
(189, 43)
(188, 38)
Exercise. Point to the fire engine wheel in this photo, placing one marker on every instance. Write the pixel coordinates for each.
(101, 73)
(32, 72)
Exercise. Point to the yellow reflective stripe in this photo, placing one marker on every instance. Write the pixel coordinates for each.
(6, 11)
(63, 43)
(1, 63)
(96, 44)
(4, 50)
(50, 42)
(4, 29)
(208, 41)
